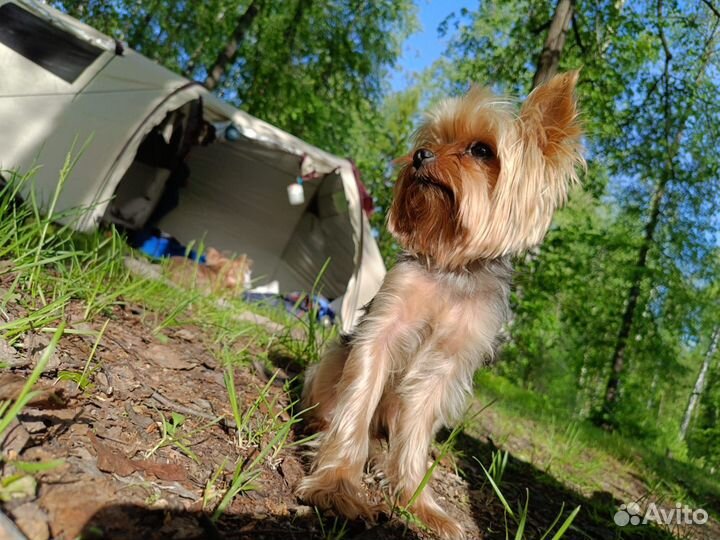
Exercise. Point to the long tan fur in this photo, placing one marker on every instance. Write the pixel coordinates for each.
(480, 185)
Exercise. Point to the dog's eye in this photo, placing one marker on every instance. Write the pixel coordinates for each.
(481, 150)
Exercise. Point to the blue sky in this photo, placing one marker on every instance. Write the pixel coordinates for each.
(425, 46)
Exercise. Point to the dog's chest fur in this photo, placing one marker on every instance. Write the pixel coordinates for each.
(451, 317)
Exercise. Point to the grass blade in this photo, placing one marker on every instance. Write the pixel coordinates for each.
(566, 524)
(26, 394)
(497, 491)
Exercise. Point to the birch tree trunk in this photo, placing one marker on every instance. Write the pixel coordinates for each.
(700, 382)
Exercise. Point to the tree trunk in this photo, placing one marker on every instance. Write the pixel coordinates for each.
(547, 66)
(667, 173)
(550, 55)
(229, 53)
(618, 359)
(651, 394)
(700, 383)
(300, 9)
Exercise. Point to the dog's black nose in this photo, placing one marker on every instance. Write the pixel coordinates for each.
(421, 155)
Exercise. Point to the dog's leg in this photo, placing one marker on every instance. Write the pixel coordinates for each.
(335, 480)
(392, 329)
(320, 388)
(390, 332)
(426, 396)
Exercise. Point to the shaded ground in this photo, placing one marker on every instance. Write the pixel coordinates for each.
(111, 485)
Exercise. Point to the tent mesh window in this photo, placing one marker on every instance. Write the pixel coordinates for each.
(47, 46)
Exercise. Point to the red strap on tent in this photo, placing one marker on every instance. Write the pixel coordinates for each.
(366, 199)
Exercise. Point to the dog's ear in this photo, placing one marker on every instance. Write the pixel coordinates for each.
(538, 172)
(549, 116)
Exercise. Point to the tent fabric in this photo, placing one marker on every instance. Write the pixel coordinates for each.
(235, 198)
(251, 211)
(60, 53)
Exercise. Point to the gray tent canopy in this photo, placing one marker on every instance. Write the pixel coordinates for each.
(78, 89)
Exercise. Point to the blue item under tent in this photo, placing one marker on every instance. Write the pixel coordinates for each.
(161, 245)
(296, 303)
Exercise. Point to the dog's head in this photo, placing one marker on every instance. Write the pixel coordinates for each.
(483, 181)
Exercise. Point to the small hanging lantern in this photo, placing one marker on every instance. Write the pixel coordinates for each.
(296, 193)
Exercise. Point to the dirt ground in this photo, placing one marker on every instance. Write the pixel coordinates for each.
(110, 485)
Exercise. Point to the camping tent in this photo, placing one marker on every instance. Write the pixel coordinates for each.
(65, 86)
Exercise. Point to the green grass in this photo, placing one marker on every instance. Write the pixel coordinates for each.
(172, 433)
(18, 479)
(336, 531)
(10, 409)
(247, 471)
(51, 265)
(48, 267)
(584, 457)
(83, 380)
(521, 517)
(494, 475)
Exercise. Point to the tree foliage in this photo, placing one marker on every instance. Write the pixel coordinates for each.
(313, 68)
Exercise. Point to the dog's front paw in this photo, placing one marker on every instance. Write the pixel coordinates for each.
(441, 523)
(330, 490)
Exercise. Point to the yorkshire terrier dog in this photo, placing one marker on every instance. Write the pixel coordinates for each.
(481, 185)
